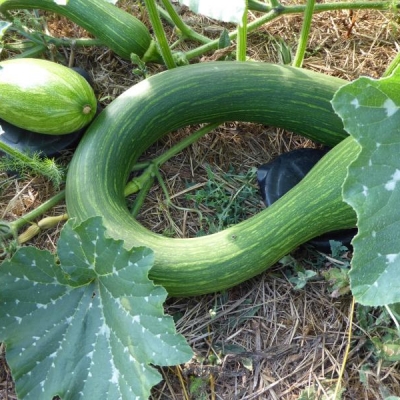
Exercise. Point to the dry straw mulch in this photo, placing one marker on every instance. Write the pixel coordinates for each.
(261, 339)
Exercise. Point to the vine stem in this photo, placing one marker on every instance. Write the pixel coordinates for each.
(141, 183)
(160, 34)
(168, 200)
(79, 42)
(15, 153)
(242, 37)
(273, 3)
(186, 142)
(37, 212)
(185, 30)
(174, 150)
(392, 66)
(305, 31)
(232, 35)
(50, 171)
(300, 8)
(273, 13)
(43, 40)
(141, 196)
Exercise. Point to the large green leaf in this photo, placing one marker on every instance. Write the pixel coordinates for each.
(88, 324)
(222, 10)
(370, 111)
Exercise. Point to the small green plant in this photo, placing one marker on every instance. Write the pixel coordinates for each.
(329, 393)
(198, 388)
(226, 199)
(382, 326)
(338, 279)
(337, 272)
(296, 272)
(334, 268)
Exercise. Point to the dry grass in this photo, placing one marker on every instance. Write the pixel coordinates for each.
(262, 339)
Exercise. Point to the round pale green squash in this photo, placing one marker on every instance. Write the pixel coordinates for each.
(45, 97)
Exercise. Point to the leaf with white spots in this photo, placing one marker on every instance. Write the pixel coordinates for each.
(370, 110)
(88, 324)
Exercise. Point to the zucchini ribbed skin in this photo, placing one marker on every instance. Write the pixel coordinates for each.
(120, 31)
(294, 99)
(45, 97)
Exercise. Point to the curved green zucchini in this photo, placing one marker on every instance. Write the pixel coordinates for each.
(117, 29)
(45, 97)
(286, 97)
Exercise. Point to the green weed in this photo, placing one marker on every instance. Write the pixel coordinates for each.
(226, 200)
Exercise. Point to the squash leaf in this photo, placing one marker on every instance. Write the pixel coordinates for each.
(222, 10)
(370, 112)
(88, 324)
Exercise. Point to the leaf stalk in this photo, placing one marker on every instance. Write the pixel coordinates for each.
(305, 31)
(242, 37)
(159, 32)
